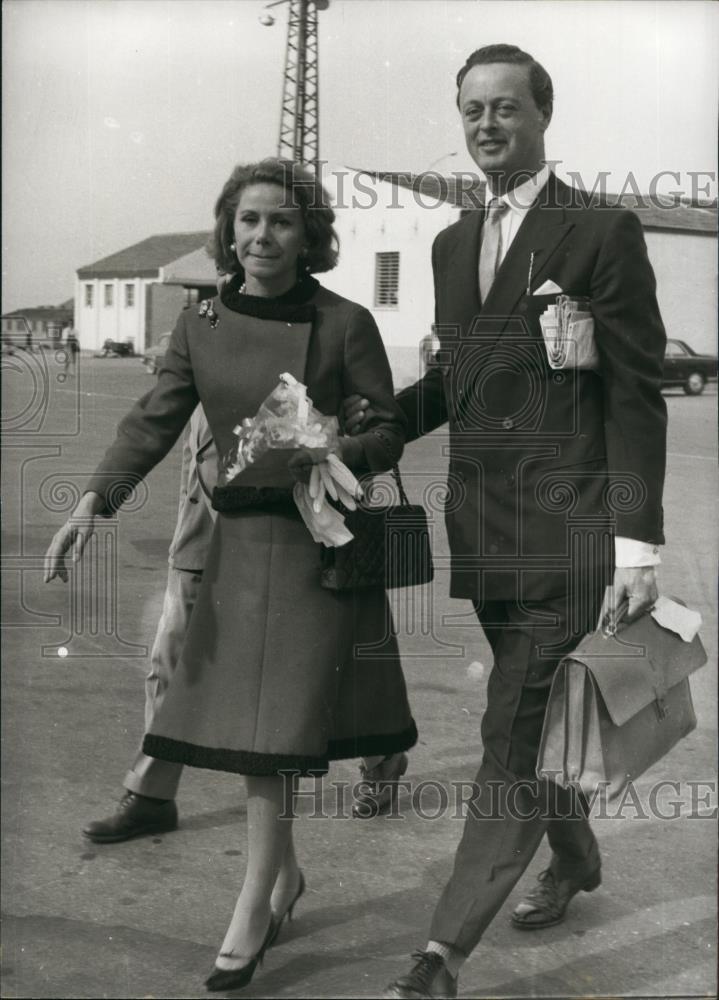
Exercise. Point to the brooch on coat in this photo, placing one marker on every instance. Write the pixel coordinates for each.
(207, 309)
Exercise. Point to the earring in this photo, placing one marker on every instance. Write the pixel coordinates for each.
(233, 247)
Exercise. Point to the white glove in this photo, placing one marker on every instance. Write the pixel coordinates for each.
(326, 524)
(333, 477)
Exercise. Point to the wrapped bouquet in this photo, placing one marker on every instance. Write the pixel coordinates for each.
(285, 423)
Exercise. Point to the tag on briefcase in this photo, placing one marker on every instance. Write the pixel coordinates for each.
(618, 704)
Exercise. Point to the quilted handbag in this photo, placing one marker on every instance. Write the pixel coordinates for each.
(618, 704)
(390, 547)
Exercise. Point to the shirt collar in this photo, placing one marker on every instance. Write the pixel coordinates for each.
(523, 196)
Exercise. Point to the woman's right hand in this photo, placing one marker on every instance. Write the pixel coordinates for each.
(72, 537)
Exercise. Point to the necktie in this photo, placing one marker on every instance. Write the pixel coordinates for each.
(491, 250)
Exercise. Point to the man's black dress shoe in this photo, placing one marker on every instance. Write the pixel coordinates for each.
(135, 816)
(378, 788)
(428, 980)
(223, 980)
(546, 904)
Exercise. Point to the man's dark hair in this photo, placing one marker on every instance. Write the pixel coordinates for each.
(540, 82)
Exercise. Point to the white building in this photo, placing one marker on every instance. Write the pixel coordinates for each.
(386, 233)
(125, 296)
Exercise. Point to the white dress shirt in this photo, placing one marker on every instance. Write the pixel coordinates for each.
(628, 552)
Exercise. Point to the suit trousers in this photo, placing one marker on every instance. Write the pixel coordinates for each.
(149, 775)
(510, 809)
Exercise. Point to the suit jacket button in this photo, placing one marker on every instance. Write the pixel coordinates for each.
(507, 423)
(200, 459)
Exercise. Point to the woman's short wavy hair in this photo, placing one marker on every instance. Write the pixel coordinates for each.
(304, 191)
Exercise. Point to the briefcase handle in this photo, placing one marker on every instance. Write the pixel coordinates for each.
(609, 627)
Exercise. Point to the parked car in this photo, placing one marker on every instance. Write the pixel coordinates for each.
(684, 367)
(117, 348)
(152, 358)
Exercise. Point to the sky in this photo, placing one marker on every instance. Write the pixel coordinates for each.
(123, 118)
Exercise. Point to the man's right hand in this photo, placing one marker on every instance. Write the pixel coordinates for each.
(356, 413)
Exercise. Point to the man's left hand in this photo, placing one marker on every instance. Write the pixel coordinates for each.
(636, 585)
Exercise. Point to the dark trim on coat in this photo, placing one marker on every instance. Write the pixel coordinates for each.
(230, 499)
(266, 764)
(291, 307)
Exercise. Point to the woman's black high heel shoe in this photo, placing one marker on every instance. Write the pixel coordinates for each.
(288, 912)
(223, 980)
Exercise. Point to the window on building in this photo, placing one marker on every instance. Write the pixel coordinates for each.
(129, 296)
(386, 280)
(108, 295)
(89, 296)
(190, 297)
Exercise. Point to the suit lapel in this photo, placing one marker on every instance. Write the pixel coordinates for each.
(542, 230)
(462, 281)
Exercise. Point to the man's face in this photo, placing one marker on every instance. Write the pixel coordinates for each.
(503, 127)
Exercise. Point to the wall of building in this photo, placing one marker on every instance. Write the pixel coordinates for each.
(685, 267)
(164, 304)
(119, 321)
(375, 217)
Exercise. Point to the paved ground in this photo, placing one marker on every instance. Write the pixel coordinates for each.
(144, 919)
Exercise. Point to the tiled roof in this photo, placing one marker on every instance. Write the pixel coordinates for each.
(458, 191)
(62, 312)
(146, 258)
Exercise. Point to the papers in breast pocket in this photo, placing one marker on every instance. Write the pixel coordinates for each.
(568, 332)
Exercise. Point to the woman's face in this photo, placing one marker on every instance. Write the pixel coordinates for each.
(269, 235)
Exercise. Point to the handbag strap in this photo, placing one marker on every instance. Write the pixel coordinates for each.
(398, 479)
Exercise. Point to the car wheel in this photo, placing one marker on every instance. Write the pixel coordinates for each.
(694, 384)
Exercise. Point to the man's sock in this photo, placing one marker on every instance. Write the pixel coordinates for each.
(453, 959)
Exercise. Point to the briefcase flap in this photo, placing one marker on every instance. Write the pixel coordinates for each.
(638, 665)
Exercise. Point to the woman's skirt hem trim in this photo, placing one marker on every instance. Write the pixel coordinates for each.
(266, 764)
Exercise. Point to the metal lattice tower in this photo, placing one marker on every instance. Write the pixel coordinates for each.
(300, 116)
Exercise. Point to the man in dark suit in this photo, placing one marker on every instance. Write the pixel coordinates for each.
(555, 482)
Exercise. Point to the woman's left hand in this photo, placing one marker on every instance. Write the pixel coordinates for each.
(304, 460)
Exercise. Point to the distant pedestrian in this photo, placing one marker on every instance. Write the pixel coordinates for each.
(72, 348)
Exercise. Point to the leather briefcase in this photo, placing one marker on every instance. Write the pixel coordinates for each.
(618, 704)
(390, 547)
